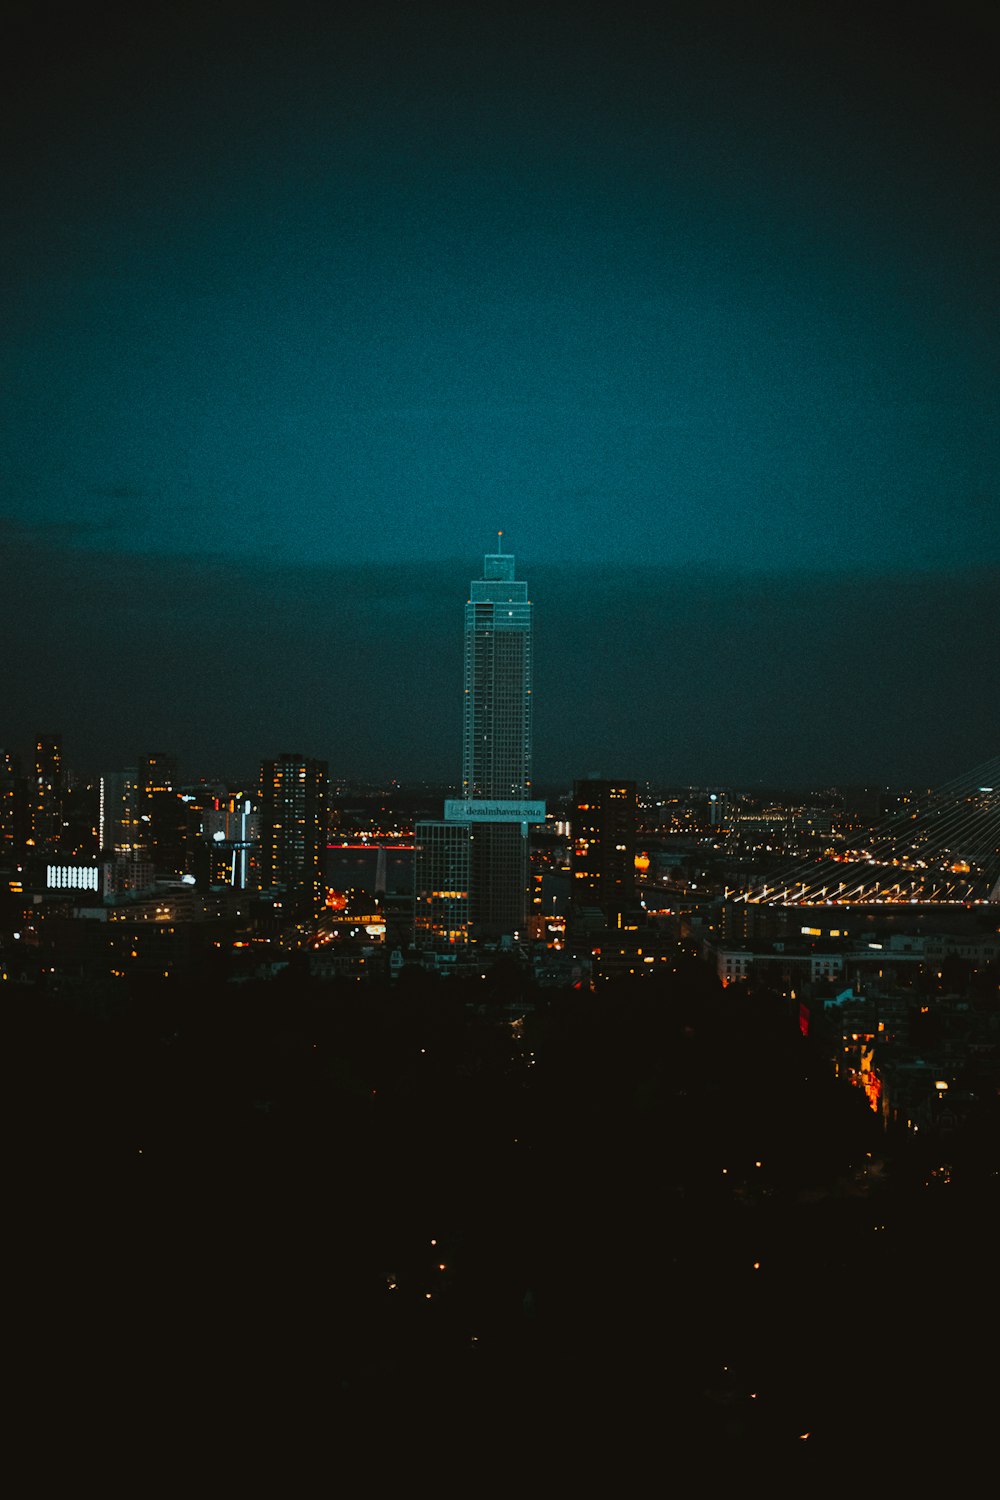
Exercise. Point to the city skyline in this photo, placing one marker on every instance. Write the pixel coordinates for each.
(413, 1023)
(698, 306)
(735, 679)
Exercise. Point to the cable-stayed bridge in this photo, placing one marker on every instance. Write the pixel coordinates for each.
(941, 848)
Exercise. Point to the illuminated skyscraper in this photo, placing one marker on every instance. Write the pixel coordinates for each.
(496, 741)
(471, 871)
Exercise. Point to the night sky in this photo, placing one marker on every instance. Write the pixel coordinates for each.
(698, 303)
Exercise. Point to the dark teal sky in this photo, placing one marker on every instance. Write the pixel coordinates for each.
(710, 286)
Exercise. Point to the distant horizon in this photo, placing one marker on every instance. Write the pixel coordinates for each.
(95, 541)
(362, 785)
(677, 676)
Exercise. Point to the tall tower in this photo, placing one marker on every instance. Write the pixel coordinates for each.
(496, 742)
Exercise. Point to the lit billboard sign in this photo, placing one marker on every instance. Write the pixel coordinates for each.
(71, 877)
(484, 811)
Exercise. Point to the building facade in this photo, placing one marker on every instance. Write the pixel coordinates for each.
(441, 878)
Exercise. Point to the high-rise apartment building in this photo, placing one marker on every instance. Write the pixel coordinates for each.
(14, 822)
(602, 858)
(47, 793)
(293, 828)
(164, 817)
(128, 868)
(120, 827)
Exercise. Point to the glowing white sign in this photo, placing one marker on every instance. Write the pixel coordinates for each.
(71, 877)
(483, 811)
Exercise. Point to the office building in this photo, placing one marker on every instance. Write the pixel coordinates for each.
(229, 842)
(293, 815)
(496, 742)
(496, 745)
(602, 849)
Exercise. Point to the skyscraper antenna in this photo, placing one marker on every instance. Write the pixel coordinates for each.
(499, 541)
